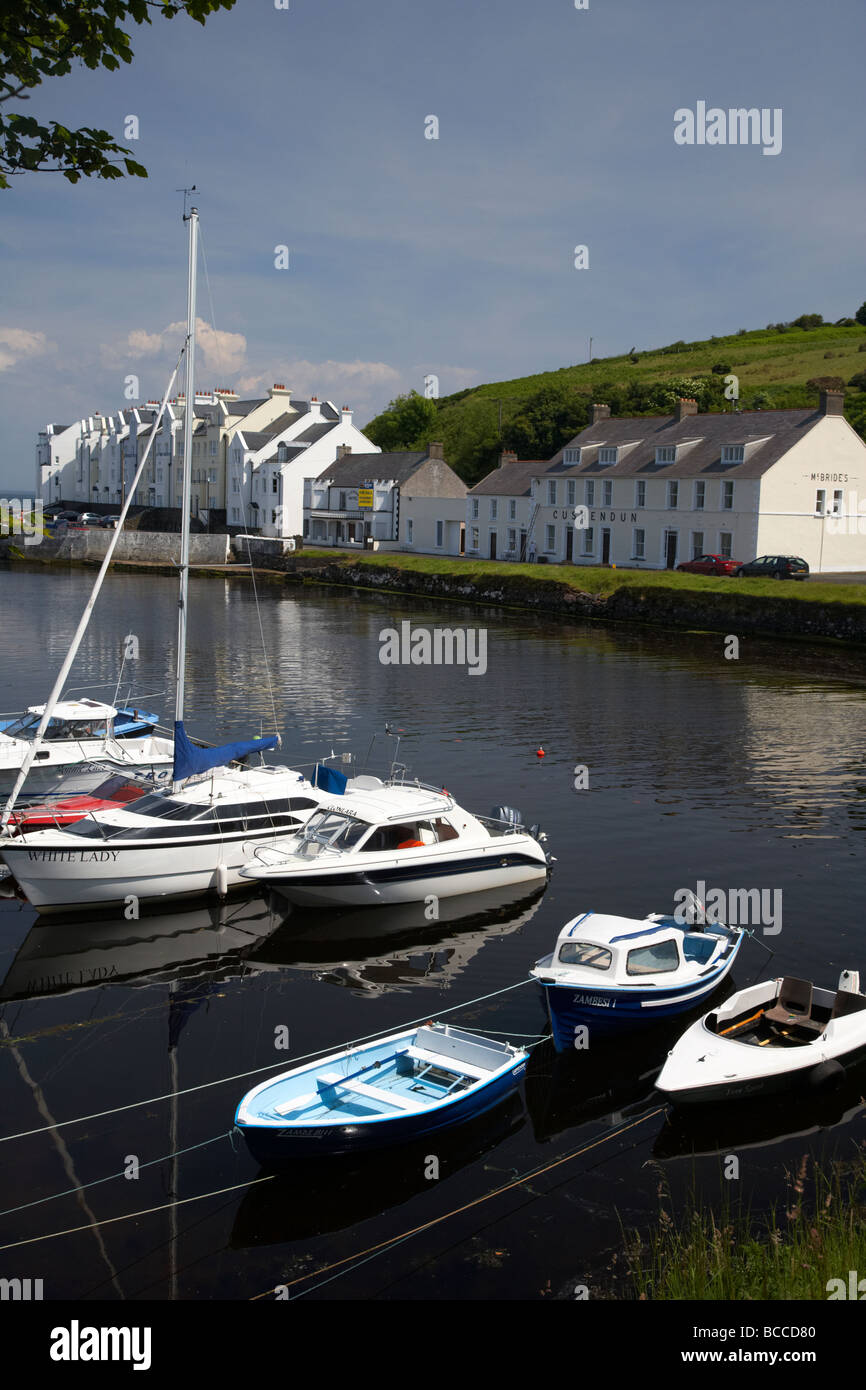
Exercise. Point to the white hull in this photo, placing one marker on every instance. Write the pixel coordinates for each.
(78, 768)
(69, 877)
(413, 877)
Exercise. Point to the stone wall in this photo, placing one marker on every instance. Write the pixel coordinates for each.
(151, 547)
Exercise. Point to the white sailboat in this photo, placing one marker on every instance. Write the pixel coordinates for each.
(81, 733)
(195, 836)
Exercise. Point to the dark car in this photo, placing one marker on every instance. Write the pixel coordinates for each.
(67, 515)
(774, 567)
(709, 564)
(110, 522)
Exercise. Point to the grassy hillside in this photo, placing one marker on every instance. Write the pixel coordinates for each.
(535, 415)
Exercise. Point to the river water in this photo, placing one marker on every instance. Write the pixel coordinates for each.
(747, 773)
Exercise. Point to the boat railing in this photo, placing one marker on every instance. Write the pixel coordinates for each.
(495, 826)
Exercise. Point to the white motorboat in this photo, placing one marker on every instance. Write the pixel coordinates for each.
(772, 1037)
(398, 842)
(164, 844)
(81, 733)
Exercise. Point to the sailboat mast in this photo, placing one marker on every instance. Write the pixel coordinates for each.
(188, 426)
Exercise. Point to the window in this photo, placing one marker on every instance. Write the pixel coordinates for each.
(550, 543)
(474, 508)
(551, 494)
(607, 494)
(727, 497)
(236, 487)
(512, 510)
(410, 527)
(589, 492)
(275, 483)
(474, 534)
(638, 543)
(640, 494)
(584, 953)
(494, 508)
(700, 496)
(725, 544)
(673, 495)
(440, 533)
(570, 493)
(588, 540)
(273, 518)
(666, 453)
(837, 502)
(820, 501)
(213, 448)
(512, 539)
(651, 960)
(342, 507)
(236, 515)
(733, 453)
(606, 456)
(571, 456)
(697, 544)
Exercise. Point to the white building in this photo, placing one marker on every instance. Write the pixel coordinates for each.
(651, 492)
(398, 501)
(499, 509)
(269, 467)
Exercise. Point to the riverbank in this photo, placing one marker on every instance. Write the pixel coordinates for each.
(760, 607)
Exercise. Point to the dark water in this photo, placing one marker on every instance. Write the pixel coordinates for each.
(740, 774)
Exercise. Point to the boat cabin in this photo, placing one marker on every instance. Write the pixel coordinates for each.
(597, 948)
(72, 719)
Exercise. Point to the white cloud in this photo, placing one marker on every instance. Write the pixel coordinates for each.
(218, 350)
(18, 343)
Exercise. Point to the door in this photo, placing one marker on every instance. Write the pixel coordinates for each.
(523, 545)
(670, 549)
(569, 545)
(605, 545)
(493, 545)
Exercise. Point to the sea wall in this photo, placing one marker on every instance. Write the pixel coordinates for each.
(717, 611)
(147, 547)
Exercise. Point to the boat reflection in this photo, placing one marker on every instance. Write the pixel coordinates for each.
(750, 1124)
(314, 1197)
(376, 949)
(57, 957)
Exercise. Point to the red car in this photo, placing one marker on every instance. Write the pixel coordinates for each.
(710, 564)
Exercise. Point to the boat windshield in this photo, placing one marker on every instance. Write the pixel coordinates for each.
(27, 724)
(166, 807)
(328, 830)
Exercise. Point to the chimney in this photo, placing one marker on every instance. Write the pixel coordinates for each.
(832, 402)
(506, 457)
(685, 406)
(343, 449)
(278, 389)
(315, 408)
(600, 412)
(346, 414)
(434, 451)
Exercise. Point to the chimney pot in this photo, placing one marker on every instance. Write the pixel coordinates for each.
(600, 412)
(685, 406)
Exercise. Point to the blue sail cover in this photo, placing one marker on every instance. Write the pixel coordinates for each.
(328, 779)
(188, 759)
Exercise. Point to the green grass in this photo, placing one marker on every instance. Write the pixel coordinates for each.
(597, 580)
(791, 1253)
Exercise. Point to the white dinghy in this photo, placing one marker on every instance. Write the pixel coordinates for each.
(781, 1035)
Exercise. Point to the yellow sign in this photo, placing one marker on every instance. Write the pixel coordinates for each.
(365, 497)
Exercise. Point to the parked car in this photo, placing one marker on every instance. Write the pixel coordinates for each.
(56, 525)
(110, 522)
(90, 519)
(66, 515)
(774, 567)
(709, 564)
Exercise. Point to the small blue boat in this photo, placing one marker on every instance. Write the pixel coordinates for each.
(390, 1091)
(611, 973)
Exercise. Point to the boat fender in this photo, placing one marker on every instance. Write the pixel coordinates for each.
(827, 1076)
(222, 880)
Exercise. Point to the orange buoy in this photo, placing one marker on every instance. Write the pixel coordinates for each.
(539, 753)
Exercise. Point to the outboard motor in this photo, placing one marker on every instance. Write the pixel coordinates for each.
(537, 833)
(507, 814)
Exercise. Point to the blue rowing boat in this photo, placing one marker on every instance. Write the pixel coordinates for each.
(609, 973)
(390, 1091)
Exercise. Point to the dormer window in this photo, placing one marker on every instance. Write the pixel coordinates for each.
(666, 453)
(607, 455)
(733, 453)
(571, 456)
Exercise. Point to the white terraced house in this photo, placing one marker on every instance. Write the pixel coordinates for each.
(499, 509)
(408, 500)
(649, 492)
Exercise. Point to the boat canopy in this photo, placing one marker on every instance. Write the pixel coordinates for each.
(76, 710)
(189, 759)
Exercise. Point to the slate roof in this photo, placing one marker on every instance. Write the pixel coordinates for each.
(353, 469)
(243, 407)
(316, 431)
(514, 479)
(773, 433)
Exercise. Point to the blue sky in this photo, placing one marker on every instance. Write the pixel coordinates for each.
(454, 256)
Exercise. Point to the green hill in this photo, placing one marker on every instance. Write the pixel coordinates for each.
(535, 415)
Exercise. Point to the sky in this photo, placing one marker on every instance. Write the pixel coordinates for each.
(306, 127)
